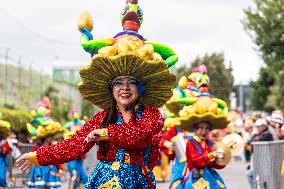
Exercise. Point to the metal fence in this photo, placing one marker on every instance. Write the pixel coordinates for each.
(89, 162)
(12, 170)
(268, 159)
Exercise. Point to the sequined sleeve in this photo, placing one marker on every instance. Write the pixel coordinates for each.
(72, 148)
(142, 133)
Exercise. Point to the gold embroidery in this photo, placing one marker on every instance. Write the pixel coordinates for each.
(112, 184)
(127, 158)
(201, 184)
(73, 179)
(115, 166)
(220, 184)
(175, 184)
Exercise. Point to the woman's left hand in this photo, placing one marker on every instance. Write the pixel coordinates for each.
(96, 135)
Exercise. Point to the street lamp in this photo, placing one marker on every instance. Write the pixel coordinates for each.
(41, 75)
(19, 79)
(30, 82)
(6, 76)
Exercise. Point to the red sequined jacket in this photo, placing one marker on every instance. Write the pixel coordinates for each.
(134, 136)
(59, 166)
(194, 160)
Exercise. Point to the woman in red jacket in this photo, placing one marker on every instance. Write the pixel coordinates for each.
(129, 89)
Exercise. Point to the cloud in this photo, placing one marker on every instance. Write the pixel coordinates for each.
(190, 27)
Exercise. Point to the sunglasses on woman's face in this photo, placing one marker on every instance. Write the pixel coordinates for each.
(121, 83)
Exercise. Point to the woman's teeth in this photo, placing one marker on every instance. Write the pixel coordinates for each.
(125, 95)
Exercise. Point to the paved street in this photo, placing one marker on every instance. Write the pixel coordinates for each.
(233, 175)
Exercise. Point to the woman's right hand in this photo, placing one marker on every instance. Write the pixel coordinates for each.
(24, 163)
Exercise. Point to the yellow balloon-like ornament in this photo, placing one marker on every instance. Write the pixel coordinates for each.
(85, 21)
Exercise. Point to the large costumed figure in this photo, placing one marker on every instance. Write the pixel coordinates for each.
(173, 142)
(129, 85)
(199, 114)
(4, 150)
(78, 175)
(42, 129)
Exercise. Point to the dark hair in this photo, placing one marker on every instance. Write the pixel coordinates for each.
(111, 115)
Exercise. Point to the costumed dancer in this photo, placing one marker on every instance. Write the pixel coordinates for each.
(4, 150)
(174, 140)
(78, 175)
(173, 144)
(42, 129)
(200, 115)
(129, 79)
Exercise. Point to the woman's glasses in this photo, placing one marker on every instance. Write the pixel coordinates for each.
(129, 83)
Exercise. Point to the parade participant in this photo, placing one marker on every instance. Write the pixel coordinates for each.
(200, 115)
(78, 175)
(42, 129)
(179, 164)
(4, 150)
(201, 159)
(195, 85)
(129, 87)
(166, 145)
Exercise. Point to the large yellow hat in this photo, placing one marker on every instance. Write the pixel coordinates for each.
(154, 74)
(204, 109)
(50, 129)
(4, 128)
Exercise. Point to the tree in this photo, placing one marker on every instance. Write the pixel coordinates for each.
(265, 25)
(261, 90)
(221, 79)
(88, 109)
(60, 106)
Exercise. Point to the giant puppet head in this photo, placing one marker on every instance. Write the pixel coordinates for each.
(200, 78)
(131, 16)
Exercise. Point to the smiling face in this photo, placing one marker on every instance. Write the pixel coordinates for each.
(124, 90)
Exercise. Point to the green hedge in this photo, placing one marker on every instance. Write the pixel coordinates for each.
(17, 119)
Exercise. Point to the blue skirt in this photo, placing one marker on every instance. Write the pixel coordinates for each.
(178, 172)
(77, 173)
(44, 177)
(119, 175)
(3, 166)
(206, 178)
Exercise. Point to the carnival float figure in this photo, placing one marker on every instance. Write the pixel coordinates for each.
(42, 129)
(78, 176)
(4, 150)
(127, 40)
(129, 88)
